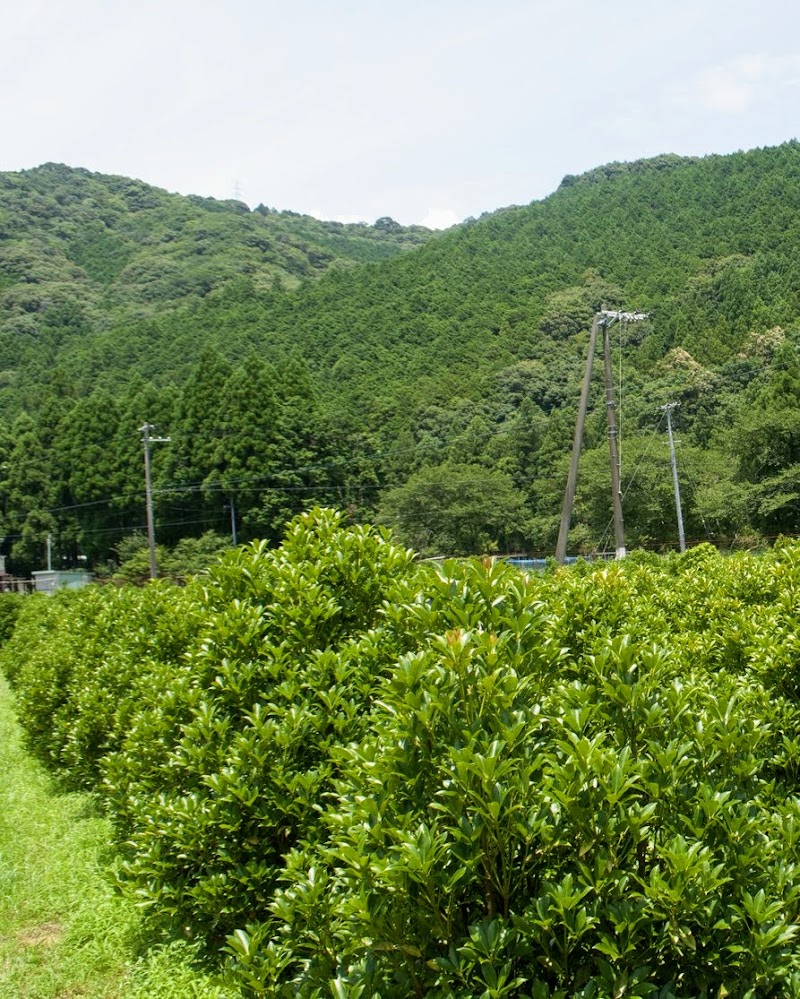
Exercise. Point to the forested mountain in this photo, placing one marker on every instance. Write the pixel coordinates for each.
(435, 388)
(79, 250)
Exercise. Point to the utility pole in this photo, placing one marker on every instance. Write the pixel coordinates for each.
(611, 412)
(603, 318)
(572, 477)
(147, 440)
(681, 538)
(233, 521)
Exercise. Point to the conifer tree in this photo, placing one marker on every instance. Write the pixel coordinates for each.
(196, 431)
(87, 463)
(246, 456)
(30, 496)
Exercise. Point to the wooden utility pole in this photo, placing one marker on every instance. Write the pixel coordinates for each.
(147, 440)
(577, 441)
(611, 412)
(233, 521)
(604, 318)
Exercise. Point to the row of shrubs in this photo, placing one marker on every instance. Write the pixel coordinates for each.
(357, 775)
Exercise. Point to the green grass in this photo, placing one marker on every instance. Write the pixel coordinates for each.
(63, 931)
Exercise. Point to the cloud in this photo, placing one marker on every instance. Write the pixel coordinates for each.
(345, 219)
(440, 218)
(735, 86)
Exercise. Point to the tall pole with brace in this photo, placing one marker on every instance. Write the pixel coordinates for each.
(613, 451)
(572, 477)
(603, 318)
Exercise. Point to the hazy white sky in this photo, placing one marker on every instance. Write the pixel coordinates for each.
(425, 110)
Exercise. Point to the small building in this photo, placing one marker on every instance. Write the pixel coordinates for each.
(50, 580)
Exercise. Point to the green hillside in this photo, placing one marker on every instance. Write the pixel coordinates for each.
(79, 250)
(435, 387)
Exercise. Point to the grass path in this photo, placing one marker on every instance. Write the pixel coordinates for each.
(64, 933)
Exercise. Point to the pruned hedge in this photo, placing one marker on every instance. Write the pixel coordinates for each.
(365, 776)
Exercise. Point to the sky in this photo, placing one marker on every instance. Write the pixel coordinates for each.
(427, 111)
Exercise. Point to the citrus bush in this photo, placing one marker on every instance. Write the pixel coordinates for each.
(519, 821)
(80, 662)
(365, 776)
(227, 765)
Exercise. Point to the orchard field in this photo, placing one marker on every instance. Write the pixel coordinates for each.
(348, 773)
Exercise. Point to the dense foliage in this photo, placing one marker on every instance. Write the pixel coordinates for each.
(379, 777)
(120, 304)
(86, 243)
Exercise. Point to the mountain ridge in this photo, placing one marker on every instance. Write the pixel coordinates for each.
(459, 350)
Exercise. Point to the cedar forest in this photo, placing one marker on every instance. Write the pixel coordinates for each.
(425, 380)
